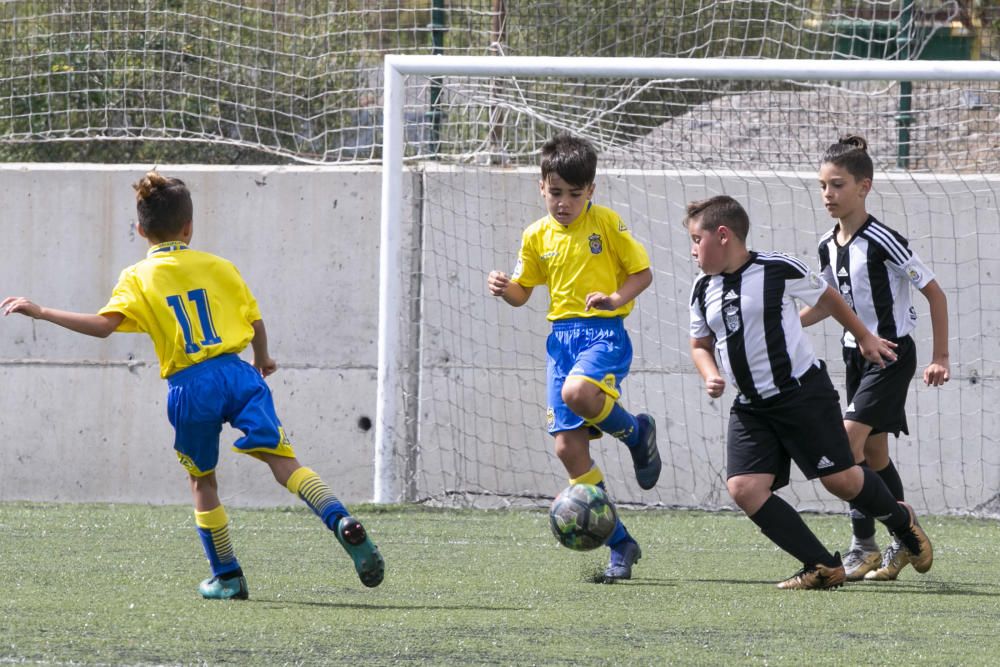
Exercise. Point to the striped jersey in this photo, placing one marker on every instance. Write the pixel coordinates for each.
(594, 253)
(873, 272)
(192, 304)
(754, 319)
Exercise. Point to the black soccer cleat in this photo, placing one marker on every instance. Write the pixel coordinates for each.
(645, 455)
(368, 562)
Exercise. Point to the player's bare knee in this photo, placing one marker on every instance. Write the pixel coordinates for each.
(747, 492)
(845, 484)
(582, 397)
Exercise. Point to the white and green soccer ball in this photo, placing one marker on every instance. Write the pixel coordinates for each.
(582, 517)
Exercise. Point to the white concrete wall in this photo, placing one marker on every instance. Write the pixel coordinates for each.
(84, 419)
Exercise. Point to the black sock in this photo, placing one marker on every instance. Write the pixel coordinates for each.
(891, 477)
(784, 526)
(862, 525)
(876, 501)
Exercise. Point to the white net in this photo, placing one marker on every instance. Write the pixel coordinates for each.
(300, 80)
(478, 409)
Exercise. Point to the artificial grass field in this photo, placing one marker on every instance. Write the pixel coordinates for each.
(116, 584)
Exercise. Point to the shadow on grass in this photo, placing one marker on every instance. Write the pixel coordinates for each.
(927, 588)
(889, 587)
(285, 602)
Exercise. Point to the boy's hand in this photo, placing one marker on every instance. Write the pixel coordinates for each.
(714, 386)
(18, 304)
(876, 350)
(498, 282)
(937, 373)
(601, 301)
(266, 366)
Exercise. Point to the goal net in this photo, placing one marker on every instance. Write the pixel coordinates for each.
(463, 372)
(300, 80)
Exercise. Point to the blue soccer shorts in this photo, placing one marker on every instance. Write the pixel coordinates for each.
(597, 348)
(223, 389)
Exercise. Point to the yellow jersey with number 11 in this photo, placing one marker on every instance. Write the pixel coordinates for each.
(194, 305)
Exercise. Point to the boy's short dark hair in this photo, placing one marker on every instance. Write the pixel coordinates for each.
(851, 153)
(573, 158)
(163, 205)
(718, 211)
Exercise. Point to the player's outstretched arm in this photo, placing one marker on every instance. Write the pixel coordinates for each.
(100, 326)
(703, 355)
(939, 370)
(500, 284)
(874, 349)
(633, 286)
(262, 360)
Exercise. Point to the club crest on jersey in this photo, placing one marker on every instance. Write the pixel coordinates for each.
(914, 276)
(595, 244)
(732, 317)
(815, 281)
(550, 418)
(845, 291)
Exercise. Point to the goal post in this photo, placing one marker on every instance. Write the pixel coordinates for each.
(441, 232)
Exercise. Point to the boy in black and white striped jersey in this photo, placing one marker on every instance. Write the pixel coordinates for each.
(873, 267)
(743, 309)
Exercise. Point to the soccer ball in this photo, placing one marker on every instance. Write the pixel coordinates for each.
(582, 517)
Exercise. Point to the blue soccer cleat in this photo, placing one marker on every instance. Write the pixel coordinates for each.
(367, 560)
(645, 455)
(623, 556)
(224, 589)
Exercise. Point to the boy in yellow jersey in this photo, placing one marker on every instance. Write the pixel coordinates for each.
(200, 315)
(594, 270)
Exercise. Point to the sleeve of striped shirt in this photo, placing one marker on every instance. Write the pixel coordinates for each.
(699, 324)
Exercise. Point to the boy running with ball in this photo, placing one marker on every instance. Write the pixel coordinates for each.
(594, 270)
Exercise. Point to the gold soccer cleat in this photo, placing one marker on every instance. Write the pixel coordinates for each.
(894, 559)
(816, 577)
(858, 563)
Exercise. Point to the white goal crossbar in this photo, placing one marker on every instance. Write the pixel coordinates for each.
(390, 433)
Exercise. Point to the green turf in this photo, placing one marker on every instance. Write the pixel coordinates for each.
(105, 584)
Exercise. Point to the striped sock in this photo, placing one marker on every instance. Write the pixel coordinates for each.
(618, 422)
(314, 492)
(213, 529)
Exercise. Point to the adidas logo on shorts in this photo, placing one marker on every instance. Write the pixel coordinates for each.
(824, 463)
